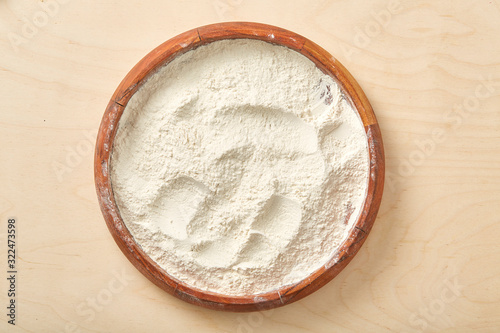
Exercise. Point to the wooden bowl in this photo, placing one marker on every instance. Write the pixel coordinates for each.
(162, 55)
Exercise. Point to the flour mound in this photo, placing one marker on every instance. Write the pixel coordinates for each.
(239, 167)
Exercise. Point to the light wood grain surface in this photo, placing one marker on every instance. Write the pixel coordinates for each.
(431, 70)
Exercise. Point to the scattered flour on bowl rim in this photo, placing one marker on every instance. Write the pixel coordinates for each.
(239, 167)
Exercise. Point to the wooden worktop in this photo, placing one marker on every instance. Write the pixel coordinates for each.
(431, 71)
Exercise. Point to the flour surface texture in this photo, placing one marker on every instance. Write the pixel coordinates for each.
(239, 167)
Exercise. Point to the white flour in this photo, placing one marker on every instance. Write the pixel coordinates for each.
(236, 165)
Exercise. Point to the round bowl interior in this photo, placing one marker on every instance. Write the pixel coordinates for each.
(165, 53)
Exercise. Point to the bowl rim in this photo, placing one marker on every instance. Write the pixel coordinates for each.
(163, 54)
